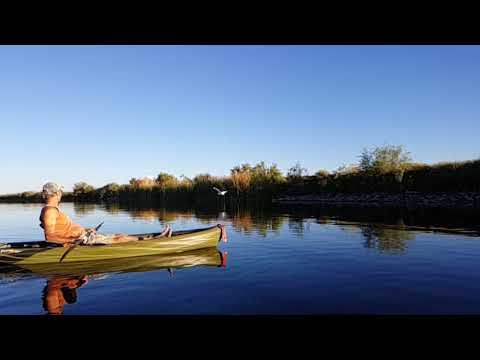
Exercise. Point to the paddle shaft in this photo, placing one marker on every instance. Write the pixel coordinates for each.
(77, 242)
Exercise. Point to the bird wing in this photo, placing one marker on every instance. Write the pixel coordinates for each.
(214, 188)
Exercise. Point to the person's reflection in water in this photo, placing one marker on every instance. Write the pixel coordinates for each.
(61, 290)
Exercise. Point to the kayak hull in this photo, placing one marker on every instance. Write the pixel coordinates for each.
(210, 257)
(177, 243)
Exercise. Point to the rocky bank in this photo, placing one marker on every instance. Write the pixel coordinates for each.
(407, 199)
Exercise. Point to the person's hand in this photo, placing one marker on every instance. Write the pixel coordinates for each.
(91, 231)
(69, 243)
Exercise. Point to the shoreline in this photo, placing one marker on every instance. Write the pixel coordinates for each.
(407, 200)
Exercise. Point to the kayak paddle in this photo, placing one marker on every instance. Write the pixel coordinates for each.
(77, 242)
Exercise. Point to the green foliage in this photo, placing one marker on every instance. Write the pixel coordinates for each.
(384, 169)
(165, 181)
(133, 182)
(384, 159)
(84, 191)
(258, 181)
(110, 191)
(447, 177)
(82, 188)
(264, 177)
(275, 175)
(203, 182)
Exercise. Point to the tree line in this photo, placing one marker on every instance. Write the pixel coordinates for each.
(386, 168)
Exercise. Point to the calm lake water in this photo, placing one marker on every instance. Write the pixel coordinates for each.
(280, 261)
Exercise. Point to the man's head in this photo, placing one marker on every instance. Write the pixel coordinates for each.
(51, 189)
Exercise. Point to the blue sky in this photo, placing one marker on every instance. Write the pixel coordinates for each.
(105, 114)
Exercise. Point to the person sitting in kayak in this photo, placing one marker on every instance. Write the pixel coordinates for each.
(59, 229)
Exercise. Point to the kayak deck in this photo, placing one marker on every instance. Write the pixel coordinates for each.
(41, 252)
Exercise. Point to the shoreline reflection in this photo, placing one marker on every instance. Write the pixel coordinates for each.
(263, 220)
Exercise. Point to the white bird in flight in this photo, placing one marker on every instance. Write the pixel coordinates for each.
(219, 192)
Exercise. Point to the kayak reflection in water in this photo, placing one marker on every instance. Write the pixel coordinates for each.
(59, 229)
(61, 290)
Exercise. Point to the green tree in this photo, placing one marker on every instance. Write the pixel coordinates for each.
(165, 181)
(133, 182)
(384, 159)
(275, 175)
(82, 189)
(263, 176)
(109, 191)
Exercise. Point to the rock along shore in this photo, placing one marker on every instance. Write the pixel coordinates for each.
(407, 199)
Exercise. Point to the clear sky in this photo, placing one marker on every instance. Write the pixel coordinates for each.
(105, 114)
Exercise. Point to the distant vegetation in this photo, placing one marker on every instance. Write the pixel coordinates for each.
(387, 169)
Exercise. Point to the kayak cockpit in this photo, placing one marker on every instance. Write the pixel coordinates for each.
(28, 244)
(45, 244)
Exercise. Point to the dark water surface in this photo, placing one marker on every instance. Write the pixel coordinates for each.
(280, 261)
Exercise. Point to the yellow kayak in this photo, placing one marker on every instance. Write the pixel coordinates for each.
(41, 252)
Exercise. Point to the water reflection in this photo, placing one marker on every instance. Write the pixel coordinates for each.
(63, 279)
(314, 275)
(296, 225)
(382, 229)
(59, 291)
(244, 220)
(82, 209)
(386, 240)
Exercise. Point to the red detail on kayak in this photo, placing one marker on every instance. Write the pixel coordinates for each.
(224, 259)
(223, 233)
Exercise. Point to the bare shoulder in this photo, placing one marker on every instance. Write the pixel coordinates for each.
(50, 212)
